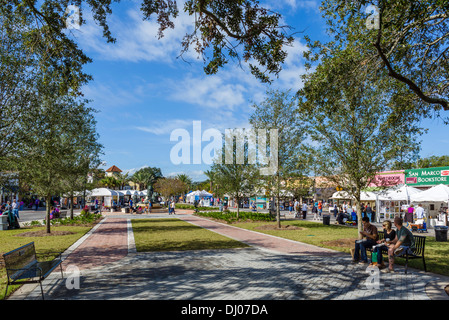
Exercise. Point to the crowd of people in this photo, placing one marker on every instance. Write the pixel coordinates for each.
(11, 210)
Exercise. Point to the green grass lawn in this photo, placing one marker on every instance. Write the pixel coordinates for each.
(177, 235)
(62, 238)
(341, 238)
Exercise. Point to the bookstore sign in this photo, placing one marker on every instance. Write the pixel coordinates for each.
(426, 177)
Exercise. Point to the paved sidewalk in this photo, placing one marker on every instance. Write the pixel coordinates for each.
(271, 269)
(260, 240)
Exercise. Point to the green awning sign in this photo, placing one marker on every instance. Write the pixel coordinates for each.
(428, 176)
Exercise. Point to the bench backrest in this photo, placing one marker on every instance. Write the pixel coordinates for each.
(420, 242)
(20, 258)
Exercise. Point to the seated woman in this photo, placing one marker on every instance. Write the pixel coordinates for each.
(53, 213)
(389, 235)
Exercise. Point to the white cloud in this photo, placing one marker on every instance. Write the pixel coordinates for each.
(165, 126)
(214, 91)
(136, 39)
(195, 175)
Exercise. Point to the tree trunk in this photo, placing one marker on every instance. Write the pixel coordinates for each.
(278, 208)
(238, 207)
(48, 203)
(359, 214)
(71, 206)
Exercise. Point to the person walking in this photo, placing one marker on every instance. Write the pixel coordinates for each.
(408, 216)
(172, 205)
(315, 211)
(15, 209)
(419, 212)
(296, 205)
(320, 208)
(335, 210)
(304, 210)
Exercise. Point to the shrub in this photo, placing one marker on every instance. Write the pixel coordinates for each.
(191, 206)
(231, 216)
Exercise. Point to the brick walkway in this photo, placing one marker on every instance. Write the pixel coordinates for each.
(259, 240)
(284, 269)
(108, 243)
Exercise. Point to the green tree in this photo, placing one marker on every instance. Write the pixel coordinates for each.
(186, 180)
(52, 151)
(223, 30)
(406, 40)
(109, 182)
(278, 111)
(169, 187)
(85, 154)
(238, 180)
(352, 121)
(147, 177)
(432, 161)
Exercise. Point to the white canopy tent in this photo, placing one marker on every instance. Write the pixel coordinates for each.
(434, 201)
(438, 193)
(126, 192)
(106, 193)
(190, 197)
(341, 195)
(397, 193)
(102, 192)
(384, 199)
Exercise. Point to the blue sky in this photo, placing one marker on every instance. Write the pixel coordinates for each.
(143, 91)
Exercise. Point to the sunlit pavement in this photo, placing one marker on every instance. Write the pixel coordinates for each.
(271, 269)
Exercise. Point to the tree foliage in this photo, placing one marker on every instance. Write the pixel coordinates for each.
(223, 30)
(407, 40)
(278, 111)
(59, 147)
(169, 187)
(353, 120)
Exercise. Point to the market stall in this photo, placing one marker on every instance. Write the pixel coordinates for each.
(199, 195)
(434, 201)
(392, 201)
(104, 195)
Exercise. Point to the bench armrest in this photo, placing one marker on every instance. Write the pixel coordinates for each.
(25, 269)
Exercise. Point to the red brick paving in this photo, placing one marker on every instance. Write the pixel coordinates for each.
(109, 243)
(259, 240)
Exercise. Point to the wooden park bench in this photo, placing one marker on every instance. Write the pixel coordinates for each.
(22, 267)
(62, 214)
(417, 251)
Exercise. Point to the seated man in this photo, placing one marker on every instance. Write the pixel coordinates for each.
(403, 243)
(370, 236)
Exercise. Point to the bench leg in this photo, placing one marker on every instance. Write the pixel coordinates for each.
(424, 263)
(406, 263)
(42, 290)
(6, 291)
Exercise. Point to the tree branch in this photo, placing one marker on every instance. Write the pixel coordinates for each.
(392, 73)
